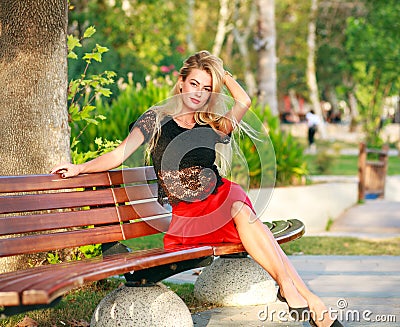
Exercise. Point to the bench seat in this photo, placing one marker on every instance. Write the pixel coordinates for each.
(46, 213)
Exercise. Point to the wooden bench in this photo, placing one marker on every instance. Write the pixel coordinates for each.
(41, 213)
(372, 170)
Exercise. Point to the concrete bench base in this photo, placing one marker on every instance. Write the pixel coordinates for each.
(142, 307)
(235, 282)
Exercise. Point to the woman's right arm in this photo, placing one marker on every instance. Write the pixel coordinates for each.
(106, 161)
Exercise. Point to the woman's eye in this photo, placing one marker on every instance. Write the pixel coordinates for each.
(193, 84)
(207, 89)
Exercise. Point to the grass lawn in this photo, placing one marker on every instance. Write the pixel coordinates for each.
(345, 165)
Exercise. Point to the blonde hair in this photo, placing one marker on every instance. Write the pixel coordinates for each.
(213, 113)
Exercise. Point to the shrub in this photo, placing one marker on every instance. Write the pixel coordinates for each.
(132, 101)
(291, 167)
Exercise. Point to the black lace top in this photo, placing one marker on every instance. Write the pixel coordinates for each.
(183, 158)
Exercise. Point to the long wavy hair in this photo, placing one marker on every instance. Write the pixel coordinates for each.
(213, 112)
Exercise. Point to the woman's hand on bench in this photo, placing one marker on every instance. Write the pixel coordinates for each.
(66, 170)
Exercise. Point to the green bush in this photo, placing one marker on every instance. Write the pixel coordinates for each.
(257, 164)
(291, 167)
(132, 101)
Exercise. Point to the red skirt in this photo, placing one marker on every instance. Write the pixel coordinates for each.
(207, 221)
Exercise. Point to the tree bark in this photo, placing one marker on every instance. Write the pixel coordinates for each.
(265, 46)
(190, 21)
(222, 27)
(311, 70)
(241, 32)
(34, 133)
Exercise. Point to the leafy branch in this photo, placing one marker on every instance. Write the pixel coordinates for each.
(83, 91)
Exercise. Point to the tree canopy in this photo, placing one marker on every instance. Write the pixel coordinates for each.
(153, 38)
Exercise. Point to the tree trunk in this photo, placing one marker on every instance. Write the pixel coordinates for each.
(265, 46)
(311, 71)
(222, 28)
(190, 22)
(242, 39)
(34, 134)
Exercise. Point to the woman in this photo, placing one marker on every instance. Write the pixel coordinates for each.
(183, 134)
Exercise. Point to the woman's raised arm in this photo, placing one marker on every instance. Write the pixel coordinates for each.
(242, 102)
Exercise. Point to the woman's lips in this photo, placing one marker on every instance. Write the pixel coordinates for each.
(195, 101)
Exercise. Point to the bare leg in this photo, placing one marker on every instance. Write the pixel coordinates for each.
(260, 245)
(263, 248)
(315, 303)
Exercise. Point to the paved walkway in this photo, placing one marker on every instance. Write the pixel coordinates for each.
(364, 290)
(373, 219)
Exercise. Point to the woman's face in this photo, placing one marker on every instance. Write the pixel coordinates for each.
(196, 89)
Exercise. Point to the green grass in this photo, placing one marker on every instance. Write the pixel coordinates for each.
(347, 165)
(316, 245)
(338, 164)
(145, 242)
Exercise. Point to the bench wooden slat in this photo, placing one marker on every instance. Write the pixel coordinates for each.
(26, 183)
(376, 164)
(279, 226)
(227, 248)
(52, 201)
(104, 234)
(295, 230)
(95, 216)
(50, 285)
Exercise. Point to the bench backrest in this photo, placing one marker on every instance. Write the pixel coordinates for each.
(88, 209)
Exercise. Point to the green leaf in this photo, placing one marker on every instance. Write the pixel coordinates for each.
(72, 89)
(72, 55)
(72, 42)
(92, 121)
(89, 32)
(73, 110)
(97, 56)
(74, 143)
(110, 73)
(89, 56)
(104, 91)
(101, 49)
(88, 108)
